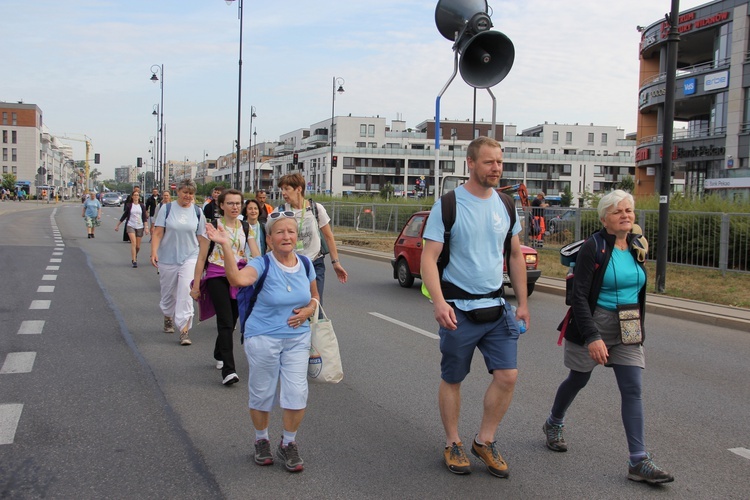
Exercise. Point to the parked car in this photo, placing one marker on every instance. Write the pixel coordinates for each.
(407, 253)
(561, 222)
(111, 200)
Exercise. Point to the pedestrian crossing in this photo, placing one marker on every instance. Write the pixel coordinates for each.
(19, 363)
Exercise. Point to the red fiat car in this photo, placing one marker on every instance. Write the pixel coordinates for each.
(407, 253)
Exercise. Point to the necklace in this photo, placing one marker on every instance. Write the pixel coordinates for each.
(284, 273)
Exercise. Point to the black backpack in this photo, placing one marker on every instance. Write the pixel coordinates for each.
(448, 206)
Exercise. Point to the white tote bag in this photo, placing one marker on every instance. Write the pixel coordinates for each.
(325, 361)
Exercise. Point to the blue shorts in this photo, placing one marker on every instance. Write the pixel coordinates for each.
(497, 341)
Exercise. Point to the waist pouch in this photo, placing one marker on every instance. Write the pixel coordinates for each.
(484, 314)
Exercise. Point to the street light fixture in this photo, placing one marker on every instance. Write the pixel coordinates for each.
(239, 92)
(340, 90)
(159, 69)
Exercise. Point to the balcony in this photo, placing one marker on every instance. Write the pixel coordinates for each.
(315, 141)
(691, 70)
(685, 135)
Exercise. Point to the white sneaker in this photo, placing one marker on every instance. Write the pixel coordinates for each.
(230, 379)
(219, 365)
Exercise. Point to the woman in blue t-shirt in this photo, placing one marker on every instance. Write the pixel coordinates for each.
(277, 334)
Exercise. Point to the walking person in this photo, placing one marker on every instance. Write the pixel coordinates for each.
(469, 306)
(92, 213)
(310, 228)
(179, 233)
(252, 212)
(224, 297)
(594, 336)
(538, 224)
(277, 335)
(151, 203)
(136, 215)
(166, 198)
(211, 209)
(265, 208)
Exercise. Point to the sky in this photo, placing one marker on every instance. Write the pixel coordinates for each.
(87, 65)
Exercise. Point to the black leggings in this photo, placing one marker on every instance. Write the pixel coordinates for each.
(629, 381)
(226, 318)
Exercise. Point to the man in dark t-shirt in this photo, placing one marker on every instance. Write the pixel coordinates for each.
(211, 210)
(538, 226)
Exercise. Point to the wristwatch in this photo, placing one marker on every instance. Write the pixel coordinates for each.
(333, 261)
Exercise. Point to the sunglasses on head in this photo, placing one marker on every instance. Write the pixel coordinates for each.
(276, 215)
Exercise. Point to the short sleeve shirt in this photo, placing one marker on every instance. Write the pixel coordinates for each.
(307, 228)
(92, 207)
(181, 230)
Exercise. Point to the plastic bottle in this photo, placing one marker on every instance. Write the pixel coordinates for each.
(521, 323)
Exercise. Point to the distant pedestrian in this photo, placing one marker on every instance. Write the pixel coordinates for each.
(266, 209)
(251, 214)
(92, 213)
(151, 203)
(211, 210)
(538, 225)
(135, 217)
(179, 233)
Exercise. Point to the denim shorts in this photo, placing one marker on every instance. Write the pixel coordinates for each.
(274, 360)
(497, 341)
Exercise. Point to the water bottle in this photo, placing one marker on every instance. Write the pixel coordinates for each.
(521, 322)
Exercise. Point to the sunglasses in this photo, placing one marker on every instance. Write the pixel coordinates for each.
(276, 215)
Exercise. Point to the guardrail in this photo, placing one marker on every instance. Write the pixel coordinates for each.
(718, 241)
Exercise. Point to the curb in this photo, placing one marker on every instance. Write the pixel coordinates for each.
(691, 310)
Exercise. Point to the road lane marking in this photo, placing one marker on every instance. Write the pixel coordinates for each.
(10, 414)
(31, 327)
(52, 268)
(56, 254)
(49, 277)
(18, 362)
(53, 261)
(45, 289)
(40, 304)
(743, 452)
(406, 325)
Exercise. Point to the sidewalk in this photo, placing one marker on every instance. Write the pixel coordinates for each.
(691, 310)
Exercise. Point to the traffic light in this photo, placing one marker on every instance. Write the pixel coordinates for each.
(295, 157)
(334, 160)
(139, 162)
(96, 158)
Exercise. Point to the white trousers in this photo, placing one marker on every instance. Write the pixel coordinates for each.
(176, 301)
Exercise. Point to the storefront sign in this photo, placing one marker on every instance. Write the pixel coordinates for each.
(716, 81)
(642, 154)
(696, 152)
(734, 182)
(688, 86)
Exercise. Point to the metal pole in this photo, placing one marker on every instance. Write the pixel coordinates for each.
(250, 143)
(673, 40)
(239, 104)
(255, 161)
(437, 123)
(330, 132)
(164, 178)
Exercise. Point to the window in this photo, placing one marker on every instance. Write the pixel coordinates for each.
(510, 150)
(414, 229)
(604, 138)
(535, 150)
(14, 116)
(361, 144)
(5, 117)
(568, 137)
(5, 169)
(5, 154)
(371, 131)
(5, 137)
(555, 137)
(363, 130)
(591, 138)
(552, 151)
(13, 155)
(372, 145)
(14, 137)
(598, 170)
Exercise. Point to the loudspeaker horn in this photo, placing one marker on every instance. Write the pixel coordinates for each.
(451, 16)
(486, 58)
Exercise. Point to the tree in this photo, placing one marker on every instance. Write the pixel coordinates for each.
(9, 181)
(386, 191)
(627, 184)
(567, 197)
(93, 174)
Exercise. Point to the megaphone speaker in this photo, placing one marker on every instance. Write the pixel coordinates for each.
(486, 59)
(452, 15)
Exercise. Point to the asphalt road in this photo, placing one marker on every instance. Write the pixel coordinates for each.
(114, 408)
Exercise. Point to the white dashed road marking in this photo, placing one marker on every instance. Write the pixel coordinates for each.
(18, 362)
(52, 268)
(10, 414)
(406, 325)
(743, 452)
(40, 304)
(49, 277)
(45, 289)
(31, 327)
(54, 261)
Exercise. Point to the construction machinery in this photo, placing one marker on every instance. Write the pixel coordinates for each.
(86, 139)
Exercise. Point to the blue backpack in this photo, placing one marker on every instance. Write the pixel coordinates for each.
(247, 295)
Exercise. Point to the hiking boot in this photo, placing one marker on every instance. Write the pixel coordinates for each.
(184, 340)
(456, 459)
(488, 454)
(290, 455)
(263, 454)
(647, 471)
(168, 325)
(555, 439)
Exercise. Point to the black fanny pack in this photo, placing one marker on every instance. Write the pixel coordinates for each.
(484, 314)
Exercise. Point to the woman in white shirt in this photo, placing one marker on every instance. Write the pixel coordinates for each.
(136, 215)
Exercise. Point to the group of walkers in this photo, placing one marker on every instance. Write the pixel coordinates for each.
(231, 244)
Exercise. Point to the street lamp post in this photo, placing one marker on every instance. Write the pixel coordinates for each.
(340, 90)
(250, 139)
(255, 161)
(239, 93)
(156, 68)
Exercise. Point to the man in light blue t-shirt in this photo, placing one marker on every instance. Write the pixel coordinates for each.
(470, 310)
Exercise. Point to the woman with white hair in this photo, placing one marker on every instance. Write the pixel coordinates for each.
(606, 328)
(179, 233)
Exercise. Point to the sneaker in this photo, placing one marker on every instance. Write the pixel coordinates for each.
(456, 459)
(290, 455)
(263, 454)
(488, 454)
(647, 471)
(135, 264)
(230, 379)
(555, 439)
(219, 365)
(168, 325)
(184, 340)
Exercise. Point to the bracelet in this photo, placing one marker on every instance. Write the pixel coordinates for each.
(334, 261)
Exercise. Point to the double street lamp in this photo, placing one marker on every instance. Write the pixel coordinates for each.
(159, 112)
(340, 90)
(239, 95)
